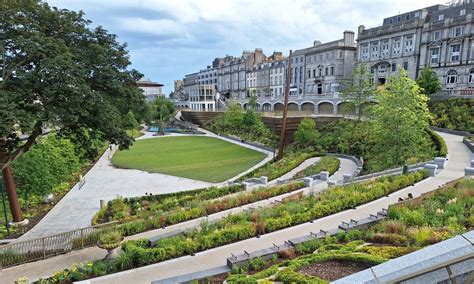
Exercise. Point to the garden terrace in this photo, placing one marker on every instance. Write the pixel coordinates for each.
(249, 224)
(327, 163)
(448, 212)
(146, 213)
(276, 168)
(195, 157)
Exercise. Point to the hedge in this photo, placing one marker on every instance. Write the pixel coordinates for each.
(245, 225)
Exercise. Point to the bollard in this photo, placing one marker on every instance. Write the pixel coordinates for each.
(346, 178)
(440, 162)
(331, 183)
(308, 182)
(102, 204)
(324, 176)
(469, 171)
(432, 169)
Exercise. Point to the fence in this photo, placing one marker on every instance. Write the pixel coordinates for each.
(451, 131)
(43, 248)
(266, 253)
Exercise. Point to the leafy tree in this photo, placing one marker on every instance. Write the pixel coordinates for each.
(306, 135)
(360, 90)
(429, 81)
(58, 72)
(253, 103)
(49, 163)
(400, 119)
(162, 111)
(129, 121)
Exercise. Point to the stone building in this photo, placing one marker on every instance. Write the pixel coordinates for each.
(151, 90)
(395, 44)
(329, 65)
(277, 78)
(447, 46)
(263, 79)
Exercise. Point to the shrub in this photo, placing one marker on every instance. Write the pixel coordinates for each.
(110, 240)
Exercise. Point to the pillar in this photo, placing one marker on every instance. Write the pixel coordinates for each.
(11, 193)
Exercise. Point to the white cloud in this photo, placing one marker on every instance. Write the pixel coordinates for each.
(154, 27)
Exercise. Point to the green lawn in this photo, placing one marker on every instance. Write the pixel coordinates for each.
(196, 157)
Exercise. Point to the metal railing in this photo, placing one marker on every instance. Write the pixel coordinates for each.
(42, 248)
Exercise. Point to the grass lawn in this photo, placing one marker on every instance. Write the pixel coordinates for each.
(196, 157)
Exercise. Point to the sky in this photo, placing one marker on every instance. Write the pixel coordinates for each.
(168, 39)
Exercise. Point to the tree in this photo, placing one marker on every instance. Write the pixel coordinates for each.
(253, 103)
(306, 135)
(129, 121)
(58, 72)
(429, 81)
(360, 90)
(162, 111)
(400, 118)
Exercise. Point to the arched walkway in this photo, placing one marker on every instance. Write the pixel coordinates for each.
(293, 107)
(345, 108)
(325, 108)
(278, 107)
(309, 107)
(266, 107)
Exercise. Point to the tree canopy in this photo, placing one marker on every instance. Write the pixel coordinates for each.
(429, 81)
(306, 136)
(58, 72)
(162, 110)
(400, 119)
(360, 90)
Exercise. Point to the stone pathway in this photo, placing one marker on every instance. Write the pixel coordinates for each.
(459, 157)
(76, 209)
(47, 267)
(300, 167)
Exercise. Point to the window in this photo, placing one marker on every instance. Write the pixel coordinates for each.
(441, 17)
(407, 16)
(452, 77)
(455, 51)
(384, 48)
(408, 43)
(301, 74)
(394, 67)
(436, 35)
(332, 70)
(417, 14)
(462, 12)
(457, 31)
(340, 54)
(405, 65)
(375, 49)
(471, 76)
(326, 71)
(314, 73)
(396, 46)
(309, 73)
(434, 55)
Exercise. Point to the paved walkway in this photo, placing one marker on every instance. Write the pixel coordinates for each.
(459, 158)
(47, 267)
(300, 167)
(76, 209)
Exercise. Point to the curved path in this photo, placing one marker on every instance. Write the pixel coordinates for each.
(459, 157)
(104, 181)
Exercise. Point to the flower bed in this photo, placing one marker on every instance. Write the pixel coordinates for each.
(150, 219)
(327, 163)
(249, 224)
(276, 168)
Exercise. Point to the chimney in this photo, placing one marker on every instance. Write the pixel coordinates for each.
(349, 38)
(316, 43)
(361, 29)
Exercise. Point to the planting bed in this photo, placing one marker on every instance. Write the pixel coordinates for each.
(333, 270)
(249, 224)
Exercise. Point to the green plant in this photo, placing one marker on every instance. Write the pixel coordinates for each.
(110, 240)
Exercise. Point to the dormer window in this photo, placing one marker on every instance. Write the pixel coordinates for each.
(441, 17)
(462, 12)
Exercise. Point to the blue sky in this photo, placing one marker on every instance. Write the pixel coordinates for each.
(170, 38)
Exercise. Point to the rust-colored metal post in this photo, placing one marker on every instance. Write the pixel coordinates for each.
(11, 193)
(285, 110)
